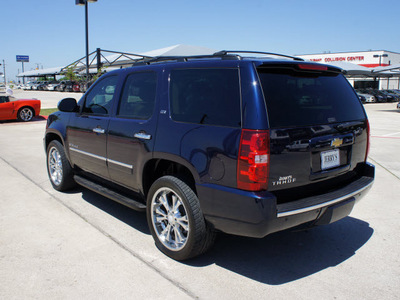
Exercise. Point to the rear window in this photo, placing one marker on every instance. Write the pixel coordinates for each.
(301, 98)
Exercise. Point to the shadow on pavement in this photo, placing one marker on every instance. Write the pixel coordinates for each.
(276, 259)
(390, 110)
(34, 119)
(287, 256)
(133, 218)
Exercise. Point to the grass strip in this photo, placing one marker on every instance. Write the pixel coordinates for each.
(47, 111)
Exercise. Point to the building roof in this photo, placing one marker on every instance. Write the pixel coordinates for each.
(118, 59)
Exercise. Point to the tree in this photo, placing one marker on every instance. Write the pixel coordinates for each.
(69, 73)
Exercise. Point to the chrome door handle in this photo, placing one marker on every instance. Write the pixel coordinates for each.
(98, 130)
(142, 135)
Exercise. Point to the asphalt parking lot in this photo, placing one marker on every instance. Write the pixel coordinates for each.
(81, 245)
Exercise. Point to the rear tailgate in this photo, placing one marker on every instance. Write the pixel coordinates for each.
(318, 129)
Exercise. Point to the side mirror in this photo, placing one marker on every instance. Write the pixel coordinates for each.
(68, 105)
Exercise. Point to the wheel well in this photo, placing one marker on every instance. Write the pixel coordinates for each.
(27, 106)
(157, 168)
(51, 137)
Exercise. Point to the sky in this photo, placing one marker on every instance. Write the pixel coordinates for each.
(52, 32)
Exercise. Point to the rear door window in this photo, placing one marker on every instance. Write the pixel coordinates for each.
(138, 96)
(303, 99)
(205, 96)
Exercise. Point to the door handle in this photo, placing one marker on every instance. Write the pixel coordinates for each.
(98, 130)
(142, 136)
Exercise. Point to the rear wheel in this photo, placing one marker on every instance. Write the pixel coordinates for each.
(175, 219)
(25, 114)
(58, 167)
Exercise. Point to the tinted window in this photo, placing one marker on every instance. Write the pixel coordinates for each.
(205, 96)
(99, 99)
(138, 96)
(295, 99)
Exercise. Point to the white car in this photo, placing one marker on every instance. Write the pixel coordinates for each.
(52, 86)
(368, 98)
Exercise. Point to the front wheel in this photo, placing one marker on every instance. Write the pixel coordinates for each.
(25, 114)
(175, 219)
(59, 168)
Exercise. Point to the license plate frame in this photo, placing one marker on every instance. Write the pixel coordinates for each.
(330, 159)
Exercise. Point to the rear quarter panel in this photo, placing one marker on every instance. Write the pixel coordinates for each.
(34, 104)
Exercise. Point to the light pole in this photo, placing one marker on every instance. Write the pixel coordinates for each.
(4, 73)
(380, 57)
(85, 2)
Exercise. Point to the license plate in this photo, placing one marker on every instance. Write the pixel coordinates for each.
(330, 159)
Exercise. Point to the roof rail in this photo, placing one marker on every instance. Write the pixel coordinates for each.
(148, 61)
(226, 52)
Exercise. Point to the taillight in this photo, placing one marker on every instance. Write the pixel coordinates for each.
(368, 141)
(312, 67)
(253, 161)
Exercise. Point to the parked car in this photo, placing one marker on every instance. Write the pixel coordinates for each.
(42, 85)
(51, 85)
(35, 85)
(362, 98)
(398, 106)
(62, 86)
(392, 97)
(76, 87)
(68, 86)
(396, 92)
(367, 97)
(380, 97)
(23, 109)
(190, 141)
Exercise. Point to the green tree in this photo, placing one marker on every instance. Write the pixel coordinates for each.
(69, 73)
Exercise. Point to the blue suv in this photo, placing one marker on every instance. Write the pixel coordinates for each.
(237, 142)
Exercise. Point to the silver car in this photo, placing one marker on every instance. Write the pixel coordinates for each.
(368, 98)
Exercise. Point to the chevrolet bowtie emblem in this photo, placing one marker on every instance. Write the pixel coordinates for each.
(336, 142)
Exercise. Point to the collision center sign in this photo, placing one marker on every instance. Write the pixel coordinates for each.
(22, 58)
(339, 58)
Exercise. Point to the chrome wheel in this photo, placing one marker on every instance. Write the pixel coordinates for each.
(170, 219)
(26, 114)
(55, 166)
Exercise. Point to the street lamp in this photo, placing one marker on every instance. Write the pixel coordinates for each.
(4, 74)
(85, 2)
(380, 57)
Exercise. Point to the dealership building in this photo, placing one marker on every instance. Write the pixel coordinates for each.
(365, 69)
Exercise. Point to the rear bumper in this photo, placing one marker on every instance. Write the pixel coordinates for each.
(257, 214)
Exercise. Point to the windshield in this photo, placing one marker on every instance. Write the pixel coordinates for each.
(303, 99)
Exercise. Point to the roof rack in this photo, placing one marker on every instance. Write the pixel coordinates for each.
(224, 54)
(171, 58)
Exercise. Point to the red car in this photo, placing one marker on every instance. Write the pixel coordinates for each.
(23, 109)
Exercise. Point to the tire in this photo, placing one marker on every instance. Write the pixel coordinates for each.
(176, 221)
(59, 169)
(25, 114)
